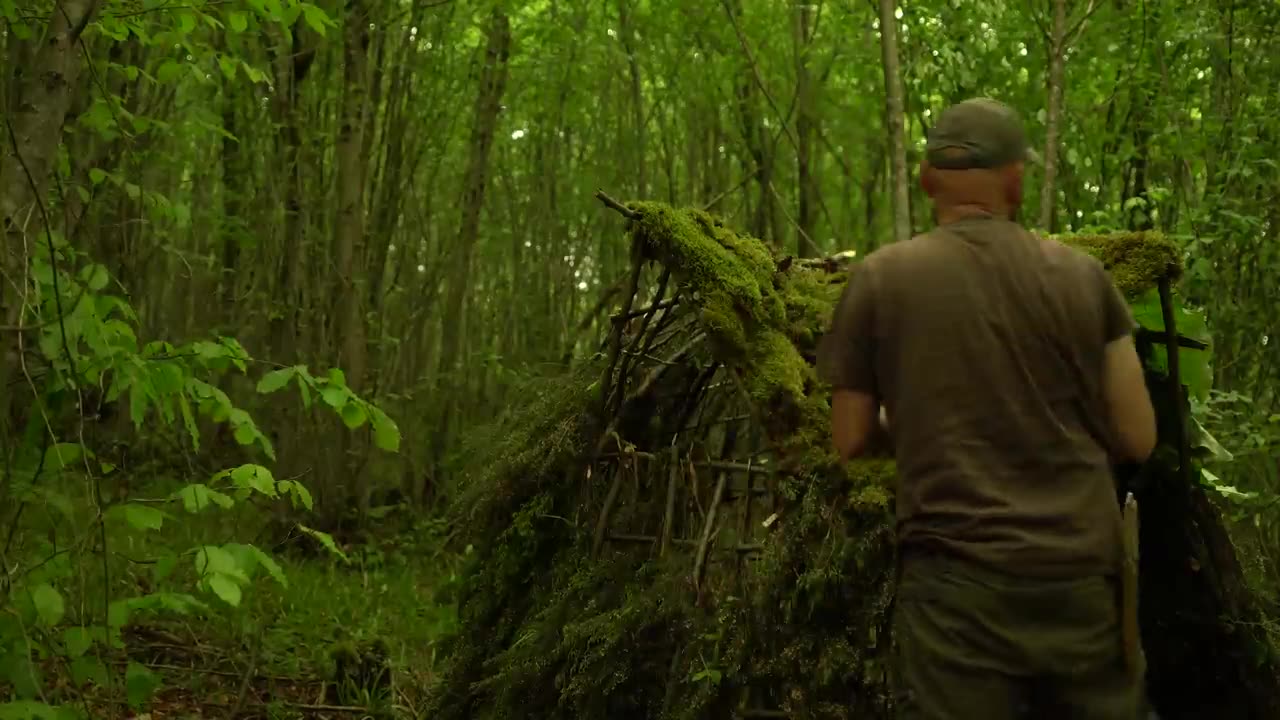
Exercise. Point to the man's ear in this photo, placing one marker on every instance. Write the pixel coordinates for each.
(1013, 183)
(926, 179)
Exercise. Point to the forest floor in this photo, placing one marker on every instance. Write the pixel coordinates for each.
(274, 656)
(273, 653)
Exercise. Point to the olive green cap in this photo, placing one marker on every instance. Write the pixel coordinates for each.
(978, 133)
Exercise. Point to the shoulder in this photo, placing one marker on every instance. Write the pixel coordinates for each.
(1071, 257)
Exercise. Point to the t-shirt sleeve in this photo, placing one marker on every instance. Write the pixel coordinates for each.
(846, 352)
(1117, 316)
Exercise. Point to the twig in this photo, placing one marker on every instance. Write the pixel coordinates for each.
(782, 205)
(621, 317)
(1079, 26)
(737, 186)
(615, 205)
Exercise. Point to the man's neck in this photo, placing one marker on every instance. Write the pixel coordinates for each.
(966, 211)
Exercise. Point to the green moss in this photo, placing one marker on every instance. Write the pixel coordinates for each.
(1136, 260)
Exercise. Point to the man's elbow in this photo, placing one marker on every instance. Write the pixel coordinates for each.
(849, 448)
(1138, 443)
(1136, 433)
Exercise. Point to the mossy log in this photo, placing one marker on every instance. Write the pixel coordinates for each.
(689, 548)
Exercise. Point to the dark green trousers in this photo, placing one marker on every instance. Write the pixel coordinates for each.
(974, 644)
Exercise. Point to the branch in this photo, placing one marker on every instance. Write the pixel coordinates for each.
(1078, 28)
(615, 205)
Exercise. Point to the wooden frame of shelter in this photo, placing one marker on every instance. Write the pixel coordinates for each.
(671, 536)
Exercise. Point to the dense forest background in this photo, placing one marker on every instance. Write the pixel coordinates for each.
(267, 264)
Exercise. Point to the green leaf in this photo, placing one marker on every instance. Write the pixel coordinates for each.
(139, 683)
(353, 415)
(168, 72)
(386, 434)
(97, 176)
(142, 517)
(226, 588)
(275, 380)
(228, 66)
(245, 434)
(95, 276)
(132, 190)
(315, 17)
(255, 477)
(88, 670)
(118, 613)
(187, 22)
(298, 493)
(62, 455)
(48, 604)
(76, 641)
(270, 564)
(238, 21)
(336, 397)
(198, 496)
(31, 710)
(213, 560)
(189, 421)
(326, 540)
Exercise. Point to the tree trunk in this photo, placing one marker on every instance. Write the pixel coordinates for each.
(488, 105)
(805, 121)
(348, 248)
(30, 137)
(893, 94)
(1057, 52)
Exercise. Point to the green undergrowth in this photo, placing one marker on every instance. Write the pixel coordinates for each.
(192, 649)
(547, 630)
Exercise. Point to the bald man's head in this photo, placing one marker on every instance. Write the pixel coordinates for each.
(975, 156)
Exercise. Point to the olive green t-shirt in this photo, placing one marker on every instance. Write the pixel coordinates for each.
(984, 343)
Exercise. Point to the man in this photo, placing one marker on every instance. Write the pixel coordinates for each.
(1006, 368)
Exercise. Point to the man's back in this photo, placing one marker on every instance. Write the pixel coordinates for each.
(989, 355)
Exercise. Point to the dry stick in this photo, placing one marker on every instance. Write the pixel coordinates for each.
(653, 377)
(669, 512)
(665, 304)
(1175, 377)
(700, 564)
(602, 522)
(615, 332)
(644, 323)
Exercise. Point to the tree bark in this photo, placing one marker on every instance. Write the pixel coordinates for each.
(806, 119)
(893, 93)
(488, 105)
(29, 140)
(1057, 52)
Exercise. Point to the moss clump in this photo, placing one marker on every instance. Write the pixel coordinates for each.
(729, 276)
(1136, 260)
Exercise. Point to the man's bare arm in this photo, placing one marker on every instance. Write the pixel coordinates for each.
(854, 417)
(1131, 416)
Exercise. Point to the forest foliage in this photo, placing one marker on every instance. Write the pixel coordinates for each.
(269, 265)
